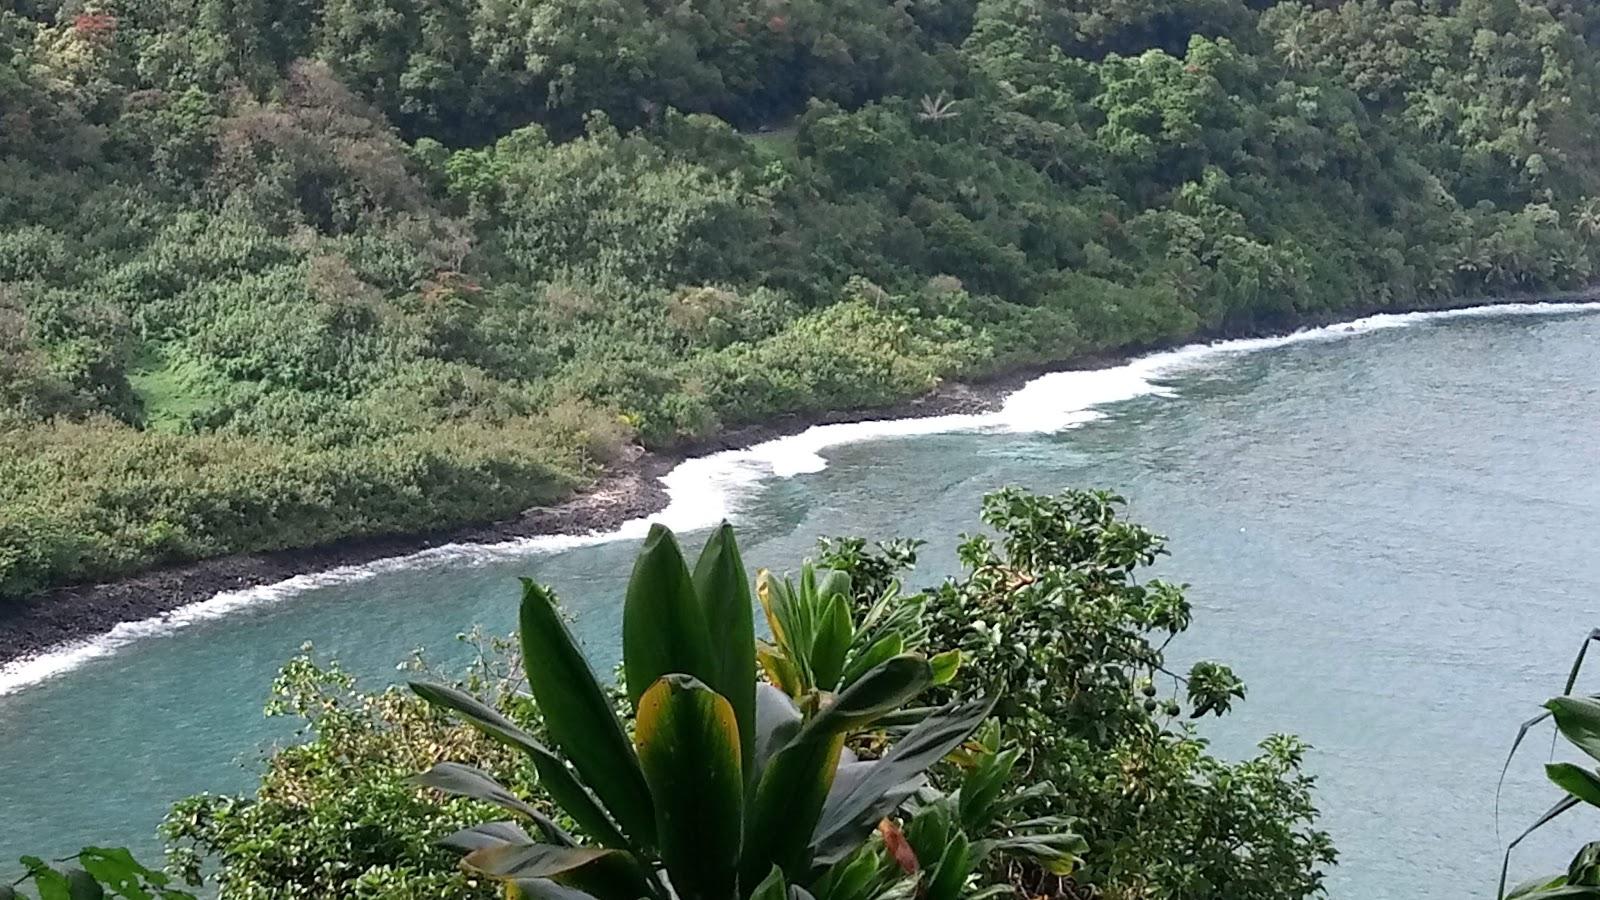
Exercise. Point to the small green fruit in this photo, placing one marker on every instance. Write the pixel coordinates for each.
(1149, 690)
(1150, 706)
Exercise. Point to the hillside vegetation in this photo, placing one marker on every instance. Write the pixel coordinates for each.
(277, 273)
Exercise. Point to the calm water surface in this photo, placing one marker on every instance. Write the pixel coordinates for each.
(1391, 538)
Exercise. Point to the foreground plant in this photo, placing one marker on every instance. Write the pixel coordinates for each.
(948, 839)
(94, 873)
(819, 644)
(728, 789)
(1577, 719)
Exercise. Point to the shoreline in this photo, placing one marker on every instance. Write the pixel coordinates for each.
(628, 490)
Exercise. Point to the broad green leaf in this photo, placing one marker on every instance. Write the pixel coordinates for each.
(488, 834)
(777, 722)
(787, 802)
(950, 873)
(828, 648)
(834, 583)
(879, 652)
(664, 628)
(1578, 718)
(578, 716)
(557, 779)
(945, 665)
(607, 874)
(880, 691)
(466, 781)
(772, 887)
(117, 869)
(850, 815)
(723, 586)
(688, 743)
(50, 884)
(1575, 780)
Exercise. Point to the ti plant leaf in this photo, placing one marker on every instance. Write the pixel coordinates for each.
(578, 716)
(688, 743)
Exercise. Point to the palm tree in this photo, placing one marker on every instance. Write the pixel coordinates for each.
(1586, 218)
(937, 109)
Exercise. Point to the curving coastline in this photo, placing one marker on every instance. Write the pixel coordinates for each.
(689, 488)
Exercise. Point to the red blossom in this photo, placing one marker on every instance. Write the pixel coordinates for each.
(95, 26)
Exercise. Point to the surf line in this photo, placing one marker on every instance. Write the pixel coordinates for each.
(704, 490)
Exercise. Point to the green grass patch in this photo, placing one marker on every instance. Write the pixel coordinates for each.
(171, 389)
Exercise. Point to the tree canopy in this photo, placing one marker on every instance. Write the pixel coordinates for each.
(273, 274)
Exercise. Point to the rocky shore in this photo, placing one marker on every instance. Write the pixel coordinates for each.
(629, 490)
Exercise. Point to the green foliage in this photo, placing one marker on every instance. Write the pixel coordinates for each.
(339, 814)
(687, 803)
(1577, 720)
(331, 239)
(949, 839)
(95, 872)
(824, 642)
(1052, 619)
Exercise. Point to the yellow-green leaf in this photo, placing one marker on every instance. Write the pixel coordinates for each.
(688, 743)
(723, 587)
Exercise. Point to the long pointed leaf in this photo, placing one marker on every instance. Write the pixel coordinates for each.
(557, 779)
(1575, 780)
(688, 744)
(607, 874)
(878, 692)
(1578, 719)
(466, 781)
(849, 816)
(578, 716)
(788, 800)
(664, 629)
(489, 834)
(876, 654)
(828, 648)
(1561, 806)
(723, 587)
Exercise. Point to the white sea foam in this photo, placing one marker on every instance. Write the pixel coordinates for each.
(707, 489)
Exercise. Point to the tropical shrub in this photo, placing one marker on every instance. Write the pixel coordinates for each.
(729, 788)
(336, 813)
(1053, 619)
(819, 643)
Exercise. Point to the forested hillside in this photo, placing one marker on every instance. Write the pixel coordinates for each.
(276, 273)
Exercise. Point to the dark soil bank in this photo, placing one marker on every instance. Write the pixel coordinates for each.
(630, 490)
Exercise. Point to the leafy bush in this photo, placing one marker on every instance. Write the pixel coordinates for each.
(339, 814)
(1052, 619)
